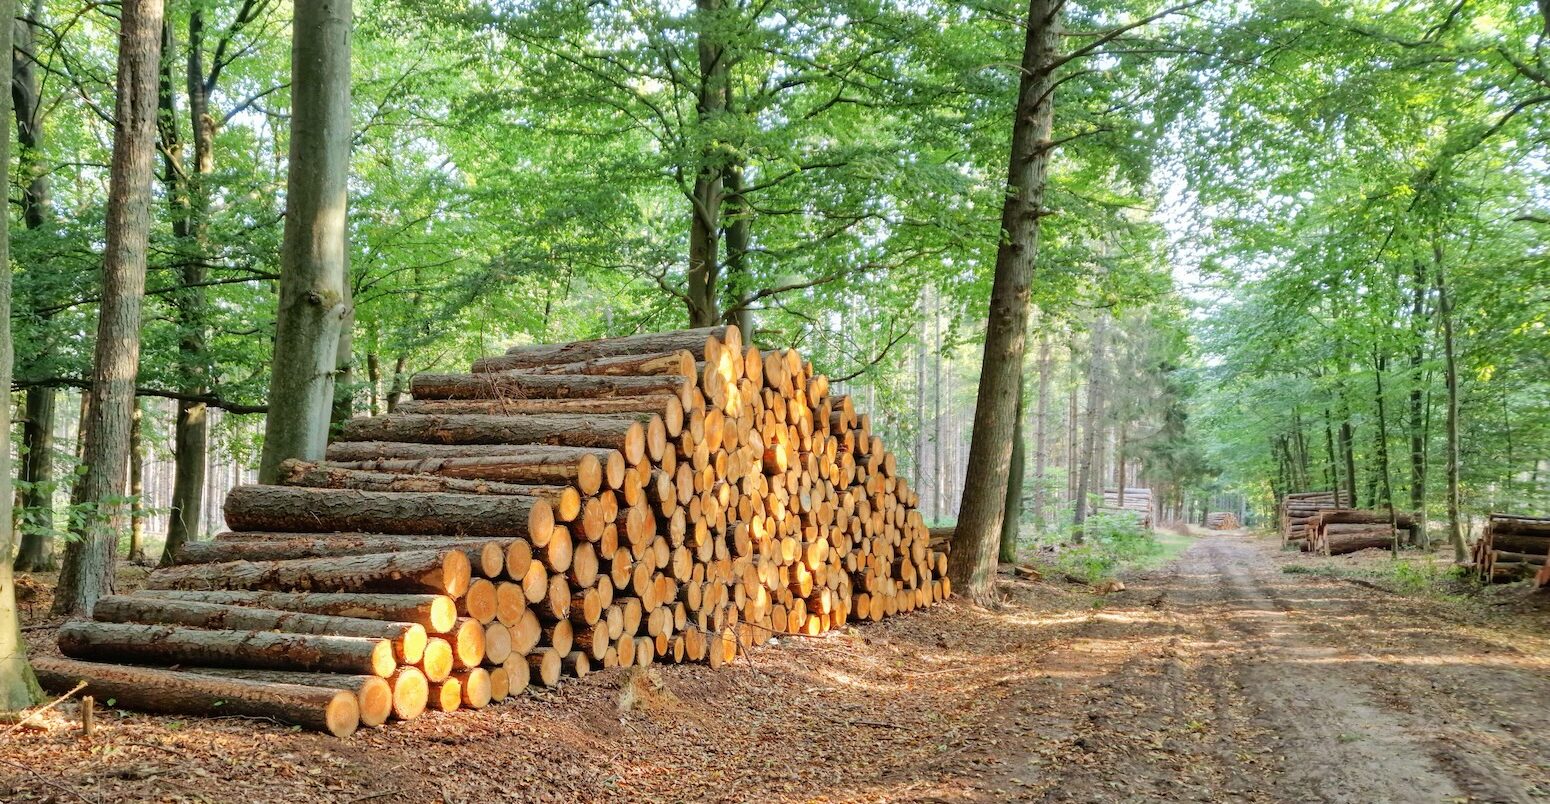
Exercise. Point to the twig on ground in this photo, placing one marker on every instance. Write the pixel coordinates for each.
(51, 705)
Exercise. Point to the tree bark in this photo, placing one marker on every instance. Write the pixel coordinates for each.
(88, 567)
(37, 498)
(314, 300)
(1418, 406)
(377, 697)
(137, 485)
(620, 431)
(173, 644)
(545, 354)
(300, 510)
(1451, 380)
(439, 571)
(544, 386)
(587, 468)
(185, 693)
(1011, 518)
(1041, 433)
(705, 199)
(438, 613)
(1380, 364)
(311, 475)
(18, 686)
(1088, 471)
(982, 507)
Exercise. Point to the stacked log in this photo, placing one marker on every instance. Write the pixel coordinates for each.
(1337, 531)
(1294, 511)
(1513, 548)
(1222, 520)
(1136, 501)
(559, 510)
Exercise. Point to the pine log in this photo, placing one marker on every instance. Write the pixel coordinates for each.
(546, 665)
(438, 613)
(285, 508)
(1342, 543)
(272, 546)
(408, 639)
(680, 363)
(692, 340)
(474, 685)
(311, 475)
(1520, 542)
(516, 463)
(175, 692)
(503, 385)
(625, 432)
(172, 644)
(1520, 525)
(373, 694)
(438, 660)
(439, 571)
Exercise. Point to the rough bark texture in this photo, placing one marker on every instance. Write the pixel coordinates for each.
(408, 638)
(171, 644)
(18, 686)
(37, 499)
(1040, 432)
(438, 613)
(435, 571)
(1011, 519)
(1451, 376)
(583, 469)
(1088, 471)
(513, 385)
(1417, 423)
(669, 364)
(620, 431)
(137, 485)
(175, 692)
(88, 567)
(972, 560)
(700, 295)
(311, 475)
(313, 297)
(267, 546)
(373, 694)
(300, 510)
(520, 357)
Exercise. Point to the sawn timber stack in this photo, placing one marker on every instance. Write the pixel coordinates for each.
(561, 509)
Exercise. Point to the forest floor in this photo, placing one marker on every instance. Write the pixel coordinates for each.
(1218, 676)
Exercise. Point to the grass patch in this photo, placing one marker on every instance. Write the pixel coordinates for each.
(1409, 575)
(1111, 543)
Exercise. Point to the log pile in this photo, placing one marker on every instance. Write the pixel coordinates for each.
(1294, 511)
(1512, 548)
(1337, 531)
(560, 509)
(1222, 520)
(1136, 501)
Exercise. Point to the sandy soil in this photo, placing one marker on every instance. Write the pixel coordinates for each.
(1217, 677)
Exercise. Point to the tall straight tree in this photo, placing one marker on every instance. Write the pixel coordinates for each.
(18, 687)
(88, 568)
(976, 539)
(314, 301)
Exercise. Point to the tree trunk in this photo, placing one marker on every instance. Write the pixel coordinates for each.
(1380, 364)
(148, 689)
(705, 199)
(89, 557)
(1418, 406)
(444, 571)
(1451, 380)
(1087, 471)
(396, 390)
(939, 474)
(1329, 445)
(301, 510)
(137, 485)
(18, 686)
(314, 299)
(1041, 433)
(739, 235)
(373, 384)
(972, 560)
(37, 539)
(1011, 519)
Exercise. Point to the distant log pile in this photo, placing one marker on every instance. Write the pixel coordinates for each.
(1222, 520)
(1513, 548)
(668, 497)
(1129, 500)
(1337, 531)
(1296, 509)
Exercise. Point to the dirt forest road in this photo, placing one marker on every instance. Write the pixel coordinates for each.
(1217, 677)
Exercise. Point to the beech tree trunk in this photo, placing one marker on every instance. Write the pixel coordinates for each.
(314, 301)
(1041, 433)
(705, 199)
(88, 567)
(1451, 379)
(1087, 472)
(137, 485)
(146, 689)
(18, 686)
(1418, 406)
(1010, 520)
(972, 561)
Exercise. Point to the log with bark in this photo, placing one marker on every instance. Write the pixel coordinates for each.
(586, 468)
(566, 500)
(626, 432)
(374, 695)
(442, 571)
(692, 340)
(171, 644)
(438, 613)
(299, 510)
(149, 689)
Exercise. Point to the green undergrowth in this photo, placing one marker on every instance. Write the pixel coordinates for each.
(1412, 575)
(1111, 544)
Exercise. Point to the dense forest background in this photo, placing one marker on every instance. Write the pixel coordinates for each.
(1288, 247)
